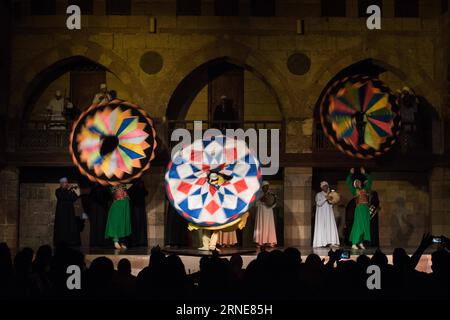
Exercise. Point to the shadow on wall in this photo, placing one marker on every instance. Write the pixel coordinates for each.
(402, 223)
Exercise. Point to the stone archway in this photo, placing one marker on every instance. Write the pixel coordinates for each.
(415, 78)
(376, 67)
(234, 53)
(197, 79)
(23, 82)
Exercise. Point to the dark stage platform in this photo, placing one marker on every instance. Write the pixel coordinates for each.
(139, 256)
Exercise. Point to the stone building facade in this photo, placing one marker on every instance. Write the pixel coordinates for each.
(412, 51)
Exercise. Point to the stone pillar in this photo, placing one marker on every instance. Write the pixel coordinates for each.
(439, 198)
(37, 213)
(155, 205)
(297, 206)
(9, 206)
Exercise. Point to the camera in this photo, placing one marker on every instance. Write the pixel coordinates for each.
(345, 255)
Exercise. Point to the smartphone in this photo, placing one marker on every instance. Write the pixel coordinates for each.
(345, 254)
(437, 240)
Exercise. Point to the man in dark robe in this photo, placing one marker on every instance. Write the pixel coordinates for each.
(137, 194)
(66, 230)
(224, 116)
(176, 229)
(99, 199)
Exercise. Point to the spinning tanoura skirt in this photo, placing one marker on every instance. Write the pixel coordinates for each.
(113, 143)
(360, 116)
(203, 203)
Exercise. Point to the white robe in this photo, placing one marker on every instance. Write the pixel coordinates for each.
(325, 230)
(56, 107)
(265, 231)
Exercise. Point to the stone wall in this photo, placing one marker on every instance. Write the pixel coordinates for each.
(405, 207)
(259, 102)
(198, 109)
(9, 206)
(440, 195)
(37, 211)
(262, 44)
(37, 214)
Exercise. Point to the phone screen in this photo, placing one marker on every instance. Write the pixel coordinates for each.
(345, 254)
(437, 240)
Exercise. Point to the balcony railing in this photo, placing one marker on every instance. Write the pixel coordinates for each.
(51, 136)
(223, 125)
(45, 135)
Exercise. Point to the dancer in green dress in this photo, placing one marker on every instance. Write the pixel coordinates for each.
(118, 225)
(361, 221)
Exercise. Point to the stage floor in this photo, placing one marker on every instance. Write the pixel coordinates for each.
(139, 256)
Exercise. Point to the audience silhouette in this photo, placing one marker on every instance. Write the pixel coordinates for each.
(275, 275)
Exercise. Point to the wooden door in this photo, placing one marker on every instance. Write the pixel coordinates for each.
(84, 85)
(226, 79)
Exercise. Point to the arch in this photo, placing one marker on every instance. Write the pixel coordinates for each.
(40, 82)
(60, 57)
(375, 67)
(231, 52)
(192, 84)
(395, 62)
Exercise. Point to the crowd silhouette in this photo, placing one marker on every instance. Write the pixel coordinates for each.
(277, 275)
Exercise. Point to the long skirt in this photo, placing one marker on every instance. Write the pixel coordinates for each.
(118, 225)
(265, 231)
(227, 238)
(361, 225)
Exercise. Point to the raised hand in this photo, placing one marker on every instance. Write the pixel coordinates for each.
(352, 170)
(362, 170)
(427, 240)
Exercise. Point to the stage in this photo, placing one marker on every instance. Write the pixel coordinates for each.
(139, 257)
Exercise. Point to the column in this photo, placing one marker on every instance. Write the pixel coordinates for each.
(9, 206)
(297, 206)
(155, 206)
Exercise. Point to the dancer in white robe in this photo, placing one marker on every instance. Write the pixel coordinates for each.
(325, 230)
(265, 232)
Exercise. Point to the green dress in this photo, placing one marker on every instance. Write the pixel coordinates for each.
(361, 221)
(118, 225)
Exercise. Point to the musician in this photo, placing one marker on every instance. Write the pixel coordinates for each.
(55, 106)
(265, 232)
(66, 230)
(103, 95)
(361, 221)
(325, 230)
(55, 110)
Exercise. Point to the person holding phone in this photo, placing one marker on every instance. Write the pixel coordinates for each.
(361, 221)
